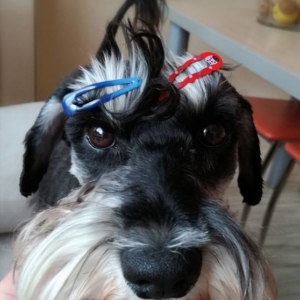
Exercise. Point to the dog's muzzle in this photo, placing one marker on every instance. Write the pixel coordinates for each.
(161, 274)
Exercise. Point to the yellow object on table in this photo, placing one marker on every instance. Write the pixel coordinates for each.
(279, 13)
(285, 12)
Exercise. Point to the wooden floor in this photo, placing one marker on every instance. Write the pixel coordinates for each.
(283, 241)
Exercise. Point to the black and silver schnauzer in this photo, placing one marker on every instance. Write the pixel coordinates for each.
(133, 187)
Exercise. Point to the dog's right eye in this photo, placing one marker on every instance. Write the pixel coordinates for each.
(99, 137)
(213, 135)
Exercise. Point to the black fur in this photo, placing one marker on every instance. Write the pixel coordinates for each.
(39, 144)
(57, 173)
(250, 180)
(148, 11)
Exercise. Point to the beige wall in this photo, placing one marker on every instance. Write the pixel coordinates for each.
(68, 32)
(16, 51)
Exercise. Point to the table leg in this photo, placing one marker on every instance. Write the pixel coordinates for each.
(177, 39)
(280, 162)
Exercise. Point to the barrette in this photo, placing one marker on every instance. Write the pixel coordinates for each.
(72, 103)
(213, 60)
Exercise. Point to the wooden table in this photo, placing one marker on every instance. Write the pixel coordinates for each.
(230, 26)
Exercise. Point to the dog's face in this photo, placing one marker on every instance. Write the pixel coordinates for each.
(161, 173)
(149, 214)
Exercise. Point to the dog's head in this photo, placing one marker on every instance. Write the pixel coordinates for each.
(208, 122)
(152, 174)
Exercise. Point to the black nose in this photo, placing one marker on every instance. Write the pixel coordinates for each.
(161, 274)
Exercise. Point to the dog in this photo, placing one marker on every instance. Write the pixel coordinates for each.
(130, 192)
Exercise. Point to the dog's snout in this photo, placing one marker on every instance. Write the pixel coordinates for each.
(161, 274)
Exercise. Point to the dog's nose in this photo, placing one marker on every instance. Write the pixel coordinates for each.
(158, 275)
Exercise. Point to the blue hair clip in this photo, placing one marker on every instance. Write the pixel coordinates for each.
(72, 104)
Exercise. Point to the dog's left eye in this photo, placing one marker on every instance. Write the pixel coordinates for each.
(213, 135)
(99, 137)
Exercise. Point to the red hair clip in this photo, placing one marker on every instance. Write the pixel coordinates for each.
(214, 63)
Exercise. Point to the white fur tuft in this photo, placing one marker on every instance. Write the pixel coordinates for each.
(115, 68)
(196, 92)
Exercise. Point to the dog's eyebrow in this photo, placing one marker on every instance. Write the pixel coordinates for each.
(222, 108)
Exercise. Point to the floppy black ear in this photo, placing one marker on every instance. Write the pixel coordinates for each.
(43, 136)
(250, 177)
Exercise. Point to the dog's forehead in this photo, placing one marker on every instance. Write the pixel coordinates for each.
(194, 95)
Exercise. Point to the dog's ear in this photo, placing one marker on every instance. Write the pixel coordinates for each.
(250, 178)
(43, 136)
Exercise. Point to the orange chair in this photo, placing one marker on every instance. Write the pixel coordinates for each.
(293, 149)
(277, 121)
